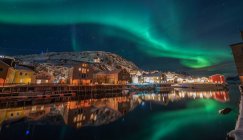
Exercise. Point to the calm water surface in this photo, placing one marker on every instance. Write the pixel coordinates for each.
(178, 114)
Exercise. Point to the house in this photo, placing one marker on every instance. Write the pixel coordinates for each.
(96, 60)
(171, 77)
(23, 75)
(154, 78)
(42, 78)
(7, 73)
(136, 75)
(106, 77)
(82, 74)
(204, 80)
(10, 72)
(112, 77)
(124, 77)
(217, 78)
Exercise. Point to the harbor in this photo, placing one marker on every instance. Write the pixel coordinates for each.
(12, 96)
(121, 70)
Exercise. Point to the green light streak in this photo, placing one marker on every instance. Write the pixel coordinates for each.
(74, 42)
(133, 20)
(197, 112)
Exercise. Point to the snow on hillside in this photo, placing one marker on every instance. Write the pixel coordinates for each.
(58, 63)
(58, 72)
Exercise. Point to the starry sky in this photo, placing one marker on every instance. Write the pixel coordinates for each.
(181, 35)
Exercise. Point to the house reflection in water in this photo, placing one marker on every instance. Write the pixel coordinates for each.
(95, 112)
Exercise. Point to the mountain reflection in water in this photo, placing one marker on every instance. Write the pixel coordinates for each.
(95, 112)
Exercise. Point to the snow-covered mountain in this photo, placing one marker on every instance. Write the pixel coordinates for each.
(101, 61)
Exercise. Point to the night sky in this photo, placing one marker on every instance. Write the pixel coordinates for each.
(179, 35)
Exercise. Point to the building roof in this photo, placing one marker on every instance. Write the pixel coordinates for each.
(19, 67)
(235, 44)
(5, 64)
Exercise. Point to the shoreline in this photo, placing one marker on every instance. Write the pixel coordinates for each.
(29, 94)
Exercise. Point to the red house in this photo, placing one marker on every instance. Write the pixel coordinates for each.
(217, 78)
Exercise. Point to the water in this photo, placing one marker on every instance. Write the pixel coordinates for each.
(179, 114)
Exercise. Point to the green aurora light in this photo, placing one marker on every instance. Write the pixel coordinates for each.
(131, 18)
(197, 112)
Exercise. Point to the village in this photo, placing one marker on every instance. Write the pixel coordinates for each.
(82, 73)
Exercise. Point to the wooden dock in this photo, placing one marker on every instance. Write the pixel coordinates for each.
(23, 95)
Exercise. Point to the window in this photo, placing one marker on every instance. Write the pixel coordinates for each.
(83, 70)
(20, 73)
(84, 65)
(1, 69)
(26, 74)
(38, 81)
(83, 76)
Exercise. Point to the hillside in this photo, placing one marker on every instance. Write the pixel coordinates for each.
(59, 63)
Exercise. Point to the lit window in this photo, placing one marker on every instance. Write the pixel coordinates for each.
(91, 116)
(38, 81)
(79, 69)
(83, 70)
(95, 117)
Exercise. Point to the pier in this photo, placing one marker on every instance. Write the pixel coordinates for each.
(18, 95)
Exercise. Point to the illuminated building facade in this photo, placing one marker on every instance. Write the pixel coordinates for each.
(155, 78)
(42, 78)
(23, 75)
(217, 78)
(82, 74)
(6, 73)
(112, 77)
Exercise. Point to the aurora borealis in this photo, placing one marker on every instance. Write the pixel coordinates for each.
(197, 33)
(197, 113)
